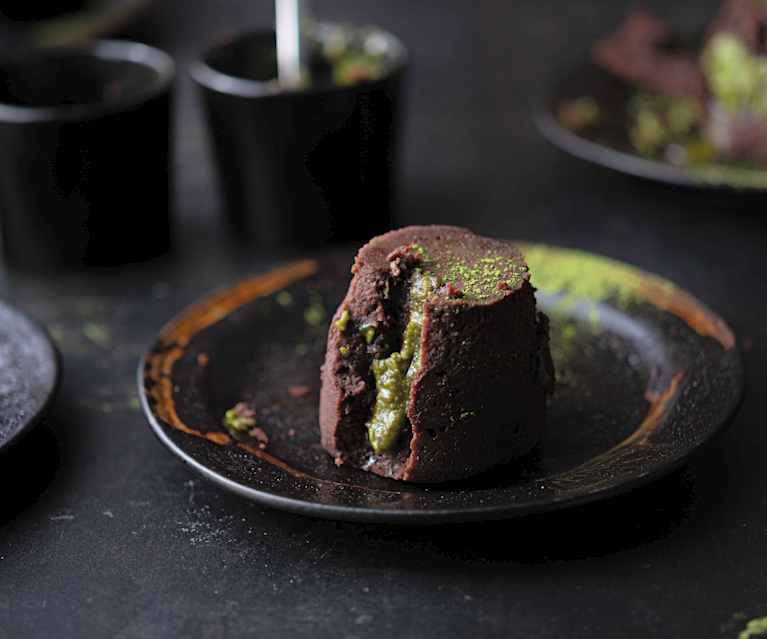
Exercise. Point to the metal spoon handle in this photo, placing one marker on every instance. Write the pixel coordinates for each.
(292, 18)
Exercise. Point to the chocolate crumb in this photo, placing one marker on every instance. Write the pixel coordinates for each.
(404, 256)
(454, 290)
(299, 391)
(260, 435)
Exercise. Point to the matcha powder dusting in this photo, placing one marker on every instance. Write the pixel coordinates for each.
(754, 628)
(480, 280)
(581, 277)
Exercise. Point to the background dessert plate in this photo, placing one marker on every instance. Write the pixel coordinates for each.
(67, 22)
(646, 374)
(29, 373)
(607, 141)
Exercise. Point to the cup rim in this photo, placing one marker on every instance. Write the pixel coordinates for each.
(220, 82)
(105, 49)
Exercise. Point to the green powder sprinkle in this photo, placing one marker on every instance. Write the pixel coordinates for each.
(582, 277)
(755, 627)
(284, 298)
(342, 321)
(344, 350)
(480, 280)
(314, 314)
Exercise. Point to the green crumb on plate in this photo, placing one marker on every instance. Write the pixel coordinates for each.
(344, 350)
(660, 120)
(284, 298)
(99, 334)
(314, 314)
(342, 321)
(240, 419)
(649, 134)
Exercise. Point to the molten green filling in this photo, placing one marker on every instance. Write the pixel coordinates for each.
(395, 373)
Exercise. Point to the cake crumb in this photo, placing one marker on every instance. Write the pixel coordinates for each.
(240, 418)
(202, 360)
(454, 290)
(404, 256)
(298, 391)
(291, 432)
(260, 435)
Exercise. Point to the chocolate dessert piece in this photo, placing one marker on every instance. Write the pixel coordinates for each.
(437, 363)
(636, 53)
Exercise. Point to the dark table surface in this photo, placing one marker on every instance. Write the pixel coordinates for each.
(104, 533)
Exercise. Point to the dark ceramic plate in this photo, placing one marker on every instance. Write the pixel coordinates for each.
(607, 143)
(646, 374)
(29, 373)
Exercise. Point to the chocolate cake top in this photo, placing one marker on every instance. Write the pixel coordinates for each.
(467, 266)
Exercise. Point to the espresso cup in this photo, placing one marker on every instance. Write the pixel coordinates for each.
(303, 166)
(85, 141)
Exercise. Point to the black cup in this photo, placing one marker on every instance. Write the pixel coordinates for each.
(84, 155)
(302, 167)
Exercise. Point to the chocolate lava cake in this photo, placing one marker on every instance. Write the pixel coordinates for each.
(437, 365)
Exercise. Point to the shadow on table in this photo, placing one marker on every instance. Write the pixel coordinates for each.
(698, 210)
(642, 516)
(26, 469)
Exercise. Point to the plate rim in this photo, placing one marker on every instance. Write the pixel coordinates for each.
(615, 159)
(431, 516)
(34, 420)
